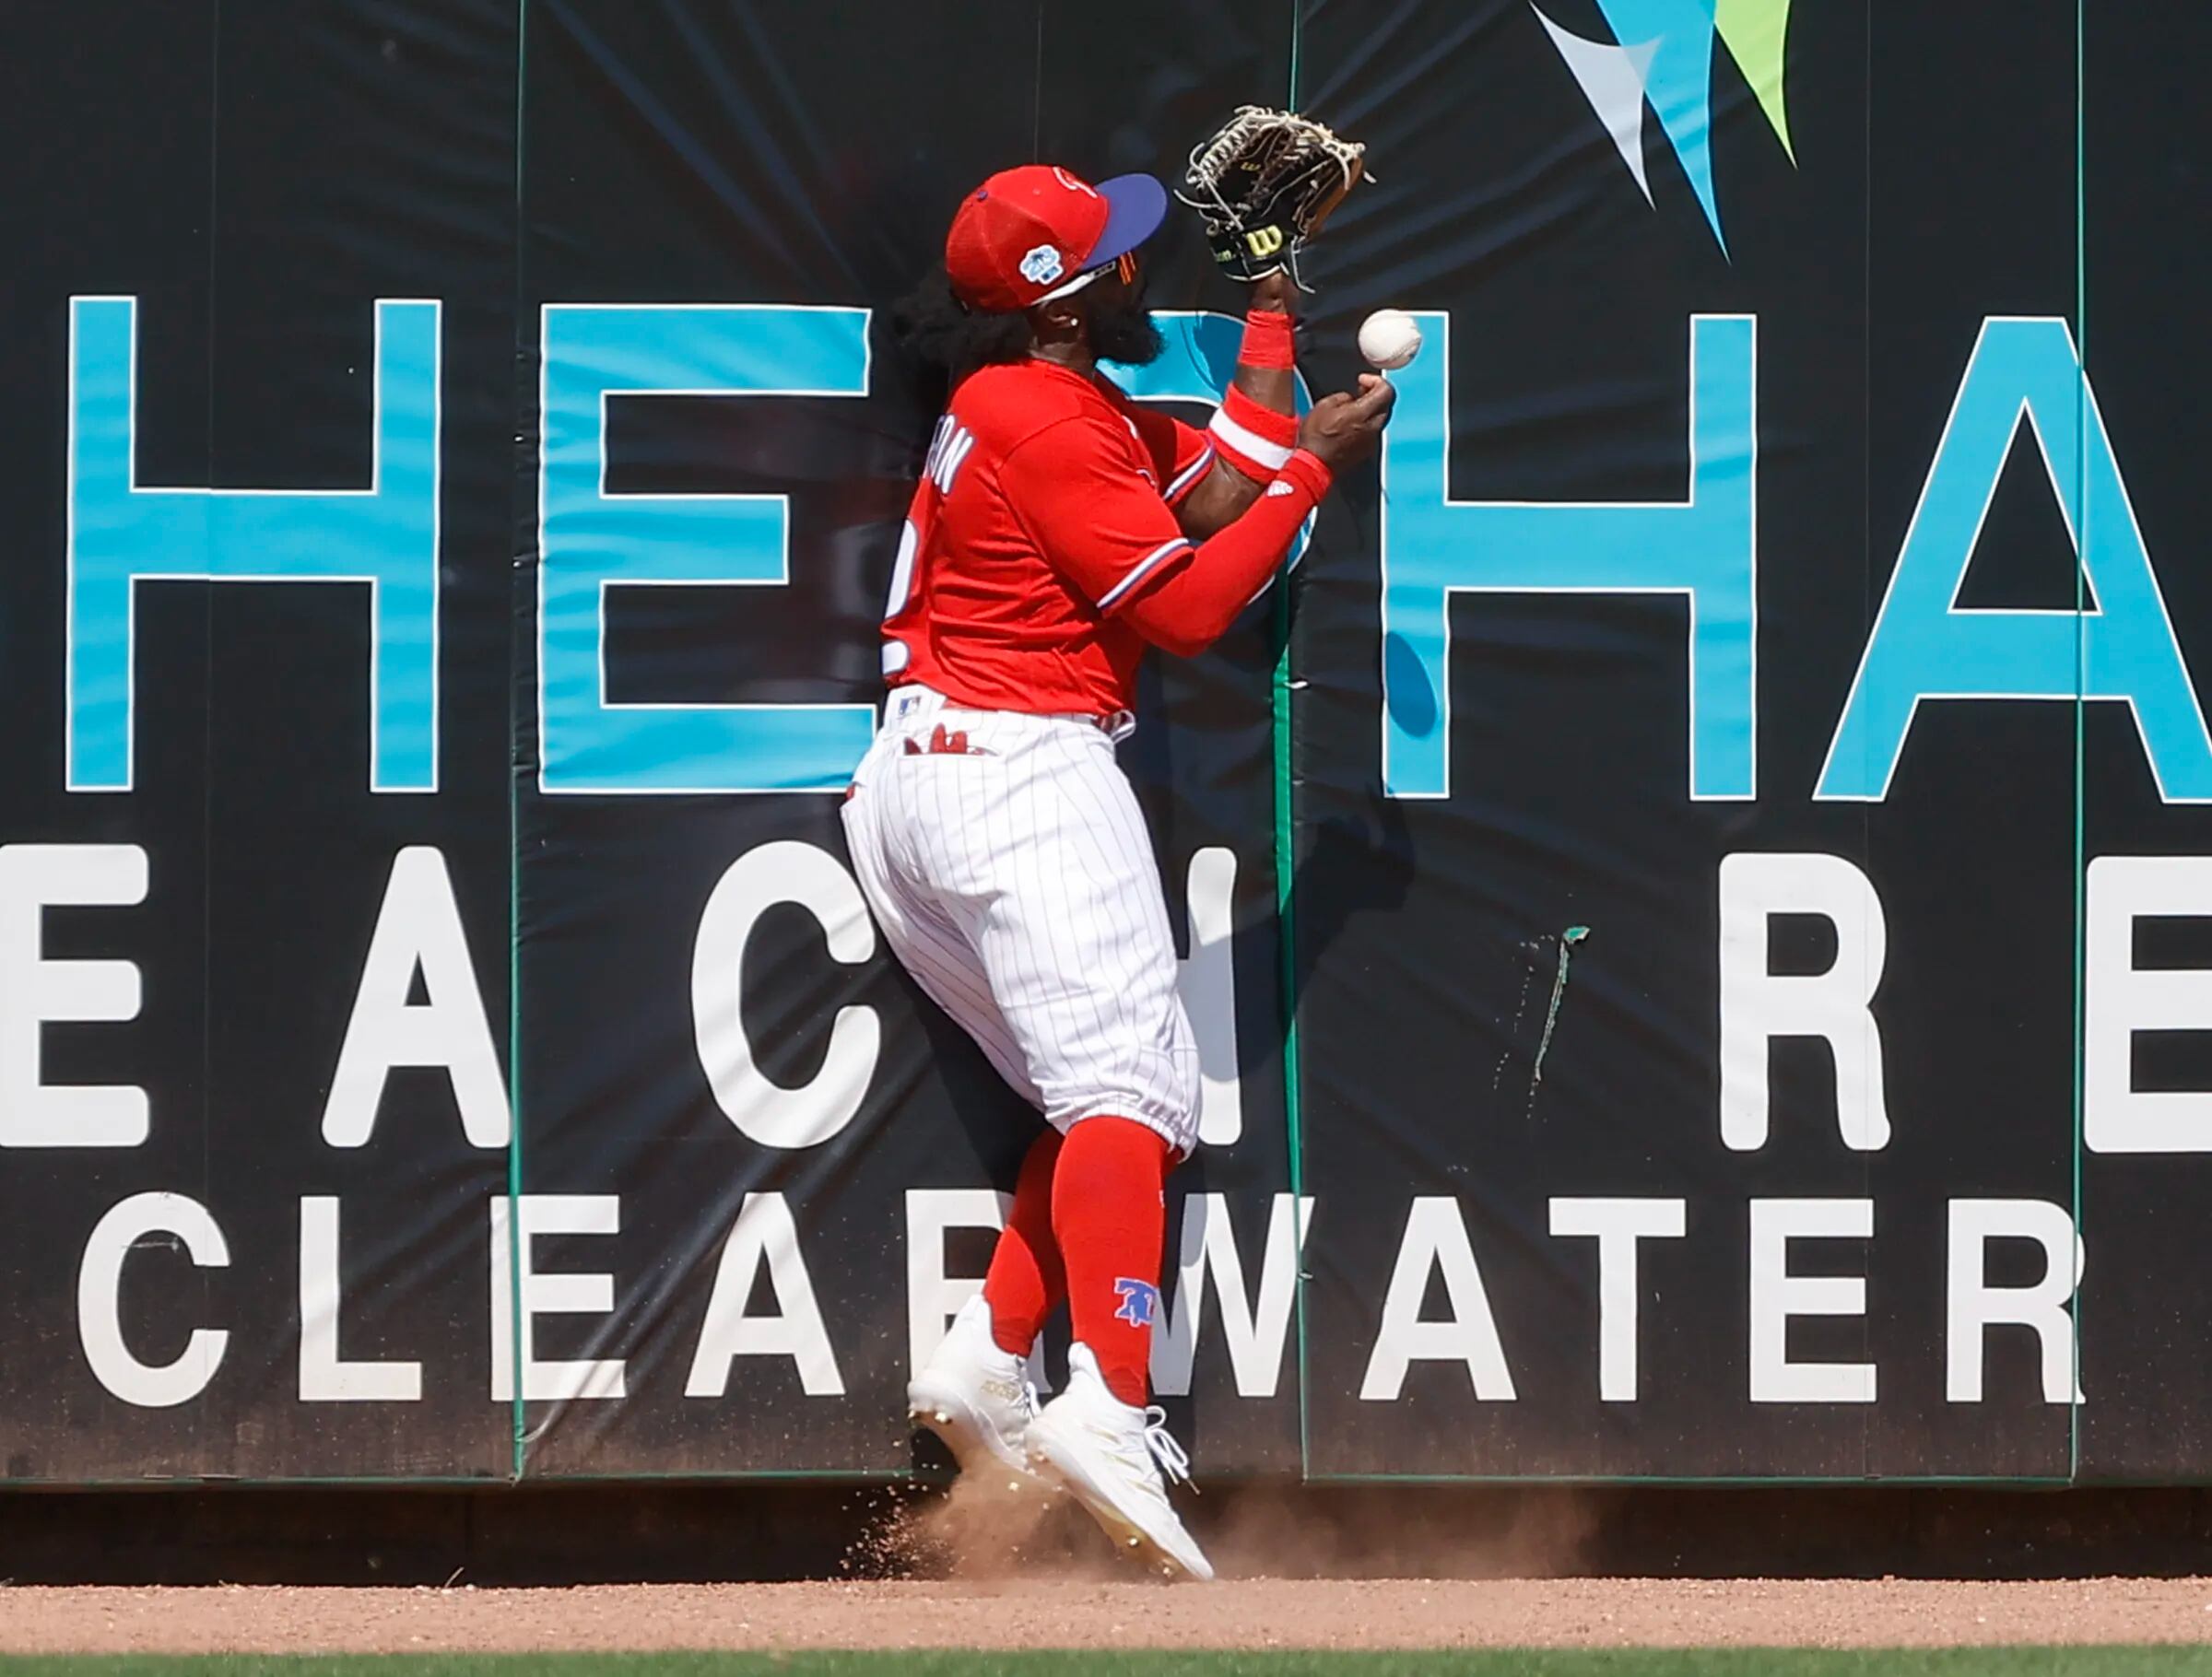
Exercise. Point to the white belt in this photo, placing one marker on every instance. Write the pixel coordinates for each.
(914, 699)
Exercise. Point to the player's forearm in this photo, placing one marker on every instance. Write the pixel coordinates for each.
(1193, 608)
(1256, 425)
(1266, 367)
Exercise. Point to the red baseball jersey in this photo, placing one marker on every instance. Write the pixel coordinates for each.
(1046, 504)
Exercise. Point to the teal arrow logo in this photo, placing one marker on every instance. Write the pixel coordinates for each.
(1661, 57)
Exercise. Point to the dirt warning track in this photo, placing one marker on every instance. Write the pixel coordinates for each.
(1250, 1613)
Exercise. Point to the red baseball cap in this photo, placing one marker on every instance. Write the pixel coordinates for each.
(1037, 231)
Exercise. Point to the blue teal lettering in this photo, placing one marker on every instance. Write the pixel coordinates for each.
(121, 535)
(1704, 547)
(1924, 646)
(590, 540)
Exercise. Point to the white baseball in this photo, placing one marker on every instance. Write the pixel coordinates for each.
(1389, 339)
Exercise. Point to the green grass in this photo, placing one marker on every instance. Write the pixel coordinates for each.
(1696, 1663)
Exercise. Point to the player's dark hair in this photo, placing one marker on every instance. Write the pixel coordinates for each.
(1119, 324)
(931, 325)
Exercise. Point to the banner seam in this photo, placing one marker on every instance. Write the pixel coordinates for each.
(2081, 496)
(518, 1453)
(1286, 881)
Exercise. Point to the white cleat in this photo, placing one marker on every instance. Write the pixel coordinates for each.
(976, 1397)
(1110, 1458)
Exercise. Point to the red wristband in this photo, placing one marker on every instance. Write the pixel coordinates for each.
(1259, 419)
(1268, 341)
(1254, 438)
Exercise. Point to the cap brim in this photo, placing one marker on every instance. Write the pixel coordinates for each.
(1135, 205)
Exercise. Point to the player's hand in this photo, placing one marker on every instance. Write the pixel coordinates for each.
(1342, 428)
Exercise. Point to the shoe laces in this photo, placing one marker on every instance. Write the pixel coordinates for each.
(1024, 1401)
(1174, 1460)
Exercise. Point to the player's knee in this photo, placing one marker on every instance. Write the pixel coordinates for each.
(1175, 1121)
(1180, 1134)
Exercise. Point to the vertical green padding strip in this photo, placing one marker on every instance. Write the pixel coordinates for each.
(1286, 876)
(514, 850)
(2081, 492)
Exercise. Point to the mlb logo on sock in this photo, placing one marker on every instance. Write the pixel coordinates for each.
(1140, 1301)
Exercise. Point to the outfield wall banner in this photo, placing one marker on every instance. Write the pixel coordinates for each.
(1690, 899)
(256, 334)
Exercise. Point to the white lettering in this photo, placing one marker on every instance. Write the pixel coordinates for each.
(99, 1285)
(324, 1378)
(2122, 999)
(1207, 981)
(786, 870)
(1616, 1226)
(949, 446)
(763, 1233)
(1777, 1295)
(1972, 1305)
(1758, 1005)
(1435, 1236)
(1254, 1331)
(541, 1294)
(35, 992)
(418, 929)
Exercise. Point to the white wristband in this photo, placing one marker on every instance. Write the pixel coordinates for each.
(1243, 444)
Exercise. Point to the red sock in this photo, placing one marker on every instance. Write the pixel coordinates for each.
(1026, 1278)
(1109, 1213)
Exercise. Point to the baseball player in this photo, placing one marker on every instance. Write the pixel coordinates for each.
(1059, 529)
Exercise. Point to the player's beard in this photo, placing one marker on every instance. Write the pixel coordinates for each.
(1121, 330)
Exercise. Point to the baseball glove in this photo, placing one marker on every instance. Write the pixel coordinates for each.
(1263, 183)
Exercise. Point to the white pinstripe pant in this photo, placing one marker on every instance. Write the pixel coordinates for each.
(1017, 883)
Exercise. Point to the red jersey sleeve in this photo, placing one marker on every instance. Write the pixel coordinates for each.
(1182, 454)
(1090, 512)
